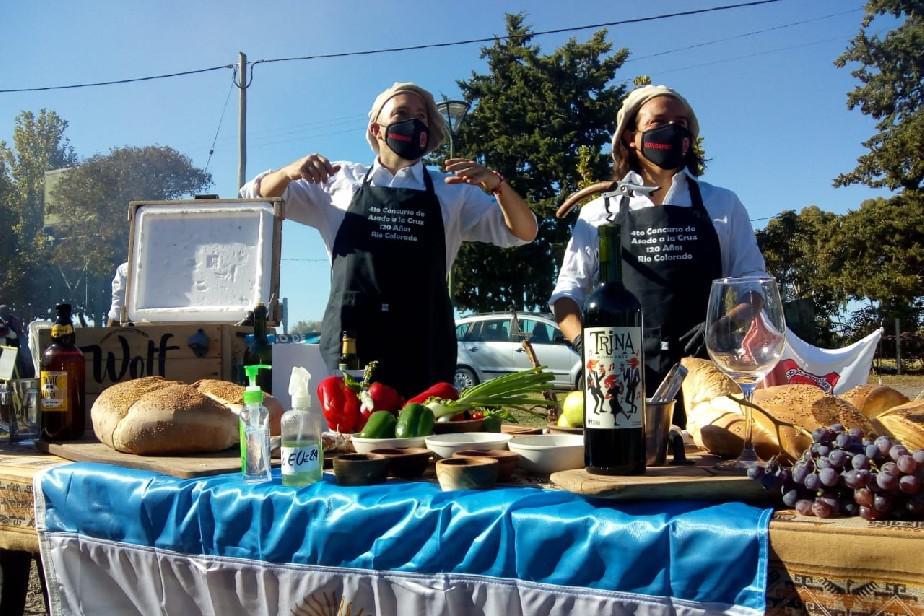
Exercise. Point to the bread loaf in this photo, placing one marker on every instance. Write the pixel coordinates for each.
(809, 407)
(152, 416)
(905, 423)
(703, 383)
(162, 418)
(873, 400)
(719, 427)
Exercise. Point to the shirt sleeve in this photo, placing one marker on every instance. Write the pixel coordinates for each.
(118, 292)
(579, 266)
(482, 219)
(744, 256)
(304, 200)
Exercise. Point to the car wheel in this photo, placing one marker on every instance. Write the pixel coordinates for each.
(579, 383)
(465, 377)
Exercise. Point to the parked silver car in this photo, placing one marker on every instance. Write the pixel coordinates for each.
(489, 346)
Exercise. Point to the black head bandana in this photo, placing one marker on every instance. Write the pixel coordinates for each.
(667, 146)
(408, 138)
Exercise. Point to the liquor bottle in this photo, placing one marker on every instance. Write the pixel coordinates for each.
(63, 412)
(260, 351)
(614, 369)
(349, 360)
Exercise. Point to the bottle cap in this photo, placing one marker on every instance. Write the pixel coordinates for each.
(298, 388)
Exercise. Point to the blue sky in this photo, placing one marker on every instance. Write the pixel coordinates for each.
(771, 104)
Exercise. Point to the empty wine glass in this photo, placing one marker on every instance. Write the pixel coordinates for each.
(745, 331)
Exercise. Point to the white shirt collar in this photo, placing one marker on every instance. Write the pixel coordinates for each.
(677, 194)
(383, 176)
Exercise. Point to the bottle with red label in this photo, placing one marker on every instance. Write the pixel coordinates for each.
(614, 369)
(63, 413)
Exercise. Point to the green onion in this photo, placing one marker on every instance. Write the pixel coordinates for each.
(522, 390)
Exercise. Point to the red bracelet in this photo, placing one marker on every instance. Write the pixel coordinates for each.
(500, 183)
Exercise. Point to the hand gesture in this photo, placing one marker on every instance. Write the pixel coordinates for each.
(313, 168)
(469, 172)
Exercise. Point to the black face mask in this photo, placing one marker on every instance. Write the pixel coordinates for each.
(667, 146)
(408, 138)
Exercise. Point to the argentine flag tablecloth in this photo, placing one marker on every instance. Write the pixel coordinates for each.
(121, 541)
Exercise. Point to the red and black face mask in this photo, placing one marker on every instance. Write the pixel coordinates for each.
(667, 146)
(408, 138)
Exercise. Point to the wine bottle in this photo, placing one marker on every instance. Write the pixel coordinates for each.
(349, 360)
(261, 351)
(63, 412)
(614, 369)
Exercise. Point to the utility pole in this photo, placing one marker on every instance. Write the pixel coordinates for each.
(242, 121)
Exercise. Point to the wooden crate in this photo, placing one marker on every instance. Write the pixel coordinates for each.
(116, 354)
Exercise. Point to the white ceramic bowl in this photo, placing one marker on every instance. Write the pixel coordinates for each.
(549, 453)
(444, 445)
(365, 445)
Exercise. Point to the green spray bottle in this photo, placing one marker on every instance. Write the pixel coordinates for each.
(255, 433)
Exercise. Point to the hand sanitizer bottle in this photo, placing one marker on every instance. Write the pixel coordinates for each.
(255, 434)
(302, 455)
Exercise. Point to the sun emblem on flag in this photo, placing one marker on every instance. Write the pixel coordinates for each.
(326, 604)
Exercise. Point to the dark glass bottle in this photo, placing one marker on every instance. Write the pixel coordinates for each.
(63, 401)
(349, 360)
(614, 369)
(260, 351)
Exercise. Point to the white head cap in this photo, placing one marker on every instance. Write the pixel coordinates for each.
(435, 121)
(634, 101)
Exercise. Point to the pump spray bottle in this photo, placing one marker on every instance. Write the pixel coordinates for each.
(302, 455)
(255, 434)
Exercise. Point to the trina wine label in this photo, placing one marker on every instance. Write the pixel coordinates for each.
(613, 396)
(54, 392)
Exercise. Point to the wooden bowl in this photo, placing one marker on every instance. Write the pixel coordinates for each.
(405, 463)
(466, 473)
(506, 460)
(463, 425)
(360, 469)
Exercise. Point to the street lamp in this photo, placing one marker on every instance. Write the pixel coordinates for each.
(454, 113)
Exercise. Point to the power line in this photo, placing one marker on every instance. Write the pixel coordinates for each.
(220, 119)
(397, 49)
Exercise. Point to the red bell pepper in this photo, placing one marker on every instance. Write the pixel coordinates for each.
(442, 390)
(340, 405)
(380, 397)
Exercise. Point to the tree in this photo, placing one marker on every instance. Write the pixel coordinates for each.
(39, 145)
(892, 76)
(92, 204)
(798, 251)
(880, 256)
(531, 116)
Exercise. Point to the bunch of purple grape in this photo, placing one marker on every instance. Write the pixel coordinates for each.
(845, 473)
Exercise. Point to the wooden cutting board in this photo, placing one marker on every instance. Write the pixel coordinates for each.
(698, 481)
(192, 465)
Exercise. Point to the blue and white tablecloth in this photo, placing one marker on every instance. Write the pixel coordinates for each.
(122, 541)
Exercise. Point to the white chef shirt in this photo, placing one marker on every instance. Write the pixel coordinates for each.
(118, 293)
(740, 255)
(469, 214)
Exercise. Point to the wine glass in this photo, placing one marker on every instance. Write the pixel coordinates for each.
(745, 331)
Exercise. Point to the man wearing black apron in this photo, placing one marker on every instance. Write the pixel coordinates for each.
(392, 233)
(674, 241)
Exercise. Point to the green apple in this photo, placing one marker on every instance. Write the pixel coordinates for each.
(573, 409)
(564, 423)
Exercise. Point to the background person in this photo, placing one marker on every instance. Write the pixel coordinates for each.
(675, 240)
(392, 230)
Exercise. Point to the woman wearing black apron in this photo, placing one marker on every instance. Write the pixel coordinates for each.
(392, 233)
(677, 234)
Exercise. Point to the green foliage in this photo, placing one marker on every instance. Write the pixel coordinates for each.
(39, 145)
(798, 251)
(305, 327)
(891, 73)
(92, 200)
(542, 121)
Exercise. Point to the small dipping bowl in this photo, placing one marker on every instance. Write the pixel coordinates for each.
(360, 469)
(405, 463)
(506, 460)
(466, 473)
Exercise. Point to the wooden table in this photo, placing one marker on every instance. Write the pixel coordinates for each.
(844, 565)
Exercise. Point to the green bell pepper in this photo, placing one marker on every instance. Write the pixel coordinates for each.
(381, 424)
(414, 420)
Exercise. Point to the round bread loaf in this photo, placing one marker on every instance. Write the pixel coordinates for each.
(163, 417)
(809, 407)
(873, 400)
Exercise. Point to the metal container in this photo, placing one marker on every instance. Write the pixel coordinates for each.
(657, 428)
